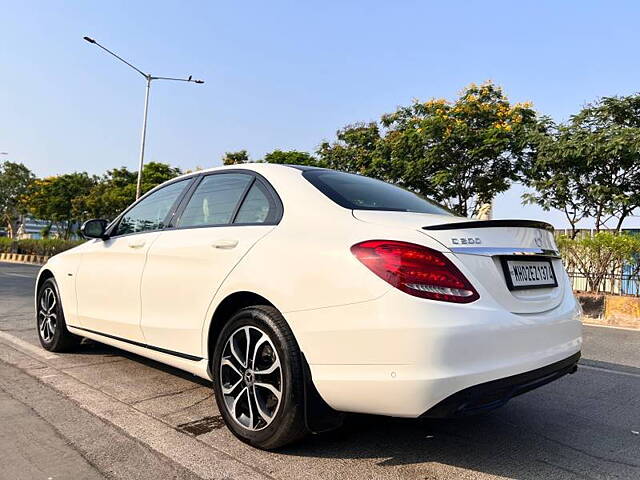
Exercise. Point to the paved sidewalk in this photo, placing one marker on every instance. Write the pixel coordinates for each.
(44, 435)
(32, 449)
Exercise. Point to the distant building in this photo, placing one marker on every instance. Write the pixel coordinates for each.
(32, 228)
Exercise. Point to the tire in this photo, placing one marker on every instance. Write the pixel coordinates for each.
(50, 323)
(266, 417)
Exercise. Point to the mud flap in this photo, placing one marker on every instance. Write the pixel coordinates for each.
(318, 417)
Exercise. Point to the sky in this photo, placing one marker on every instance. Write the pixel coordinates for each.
(286, 75)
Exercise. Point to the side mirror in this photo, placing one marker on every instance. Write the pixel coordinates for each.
(94, 229)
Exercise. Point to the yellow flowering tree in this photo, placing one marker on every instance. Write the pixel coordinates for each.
(461, 153)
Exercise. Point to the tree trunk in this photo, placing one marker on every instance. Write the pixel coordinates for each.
(574, 230)
(12, 227)
(622, 218)
(572, 221)
(598, 217)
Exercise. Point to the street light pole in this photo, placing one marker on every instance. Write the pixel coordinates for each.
(144, 137)
(148, 77)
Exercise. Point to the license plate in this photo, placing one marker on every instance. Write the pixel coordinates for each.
(530, 273)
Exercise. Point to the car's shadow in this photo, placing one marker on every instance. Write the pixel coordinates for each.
(89, 347)
(581, 426)
(490, 444)
(542, 434)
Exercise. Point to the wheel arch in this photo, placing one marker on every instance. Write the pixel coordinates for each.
(223, 312)
(44, 275)
(319, 416)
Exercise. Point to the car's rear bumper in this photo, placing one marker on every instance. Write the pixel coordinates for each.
(402, 356)
(494, 394)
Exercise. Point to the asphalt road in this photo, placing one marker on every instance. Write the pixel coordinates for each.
(104, 413)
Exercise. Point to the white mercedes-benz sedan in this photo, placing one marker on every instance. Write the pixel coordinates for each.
(304, 293)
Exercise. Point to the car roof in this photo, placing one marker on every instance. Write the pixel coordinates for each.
(257, 167)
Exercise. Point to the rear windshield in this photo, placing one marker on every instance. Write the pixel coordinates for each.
(363, 193)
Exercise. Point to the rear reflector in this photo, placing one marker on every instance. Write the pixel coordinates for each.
(416, 270)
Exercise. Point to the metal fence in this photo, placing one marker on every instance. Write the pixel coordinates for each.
(623, 283)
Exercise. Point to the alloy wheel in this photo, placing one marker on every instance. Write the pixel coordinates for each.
(251, 378)
(47, 314)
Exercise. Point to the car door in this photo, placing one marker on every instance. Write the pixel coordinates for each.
(108, 280)
(227, 213)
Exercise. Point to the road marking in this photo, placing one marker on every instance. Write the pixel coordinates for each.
(40, 352)
(607, 370)
(610, 326)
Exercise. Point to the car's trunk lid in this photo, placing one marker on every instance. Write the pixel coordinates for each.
(483, 245)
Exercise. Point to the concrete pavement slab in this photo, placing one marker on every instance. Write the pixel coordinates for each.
(45, 435)
(31, 448)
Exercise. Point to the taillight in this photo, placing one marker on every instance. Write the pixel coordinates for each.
(416, 270)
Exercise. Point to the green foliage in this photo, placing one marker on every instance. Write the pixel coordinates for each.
(235, 158)
(46, 230)
(291, 157)
(155, 173)
(46, 247)
(15, 180)
(5, 244)
(288, 157)
(599, 255)
(590, 167)
(116, 190)
(461, 154)
(113, 192)
(52, 198)
(358, 149)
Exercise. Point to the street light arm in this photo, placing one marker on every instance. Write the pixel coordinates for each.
(148, 77)
(178, 79)
(91, 40)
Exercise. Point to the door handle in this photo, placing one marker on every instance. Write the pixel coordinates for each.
(225, 244)
(138, 244)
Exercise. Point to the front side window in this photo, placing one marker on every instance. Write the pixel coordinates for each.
(363, 193)
(150, 213)
(215, 200)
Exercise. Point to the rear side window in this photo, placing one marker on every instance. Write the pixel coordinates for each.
(257, 206)
(363, 193)
(215, 199)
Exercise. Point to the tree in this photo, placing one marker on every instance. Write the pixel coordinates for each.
(600, 256)
(356, 150)
(463, 153)
(590, 166)
(291, 157)
(155, 173)
(116, 190)
(235, 158)
(15, 180)
(111, 194)
(52, 199)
